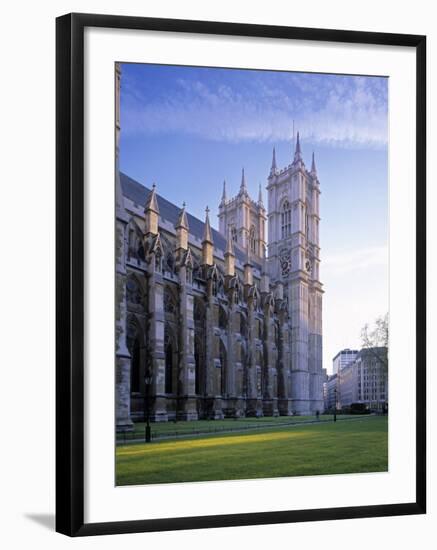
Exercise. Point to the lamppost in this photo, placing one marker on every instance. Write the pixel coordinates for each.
(148, 382)
(335, 404)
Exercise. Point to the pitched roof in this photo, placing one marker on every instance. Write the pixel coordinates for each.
(138, 194)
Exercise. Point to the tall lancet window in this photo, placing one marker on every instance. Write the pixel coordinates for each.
(252, 240)
(234, 233)
(286, 220)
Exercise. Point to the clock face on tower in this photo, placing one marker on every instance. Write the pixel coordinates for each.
(285, 262)
(308, 265)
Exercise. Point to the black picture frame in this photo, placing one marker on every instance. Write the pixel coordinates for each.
(70, 273)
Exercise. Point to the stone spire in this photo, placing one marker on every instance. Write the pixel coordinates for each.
(207, 242)
(224, 197)
(313, 167)
(229, 255)
(151, 212)
(243, 188)
(182, 220)
(152, 202)
(182, 229)
(207, 233)
(298, 152)
(274, 165)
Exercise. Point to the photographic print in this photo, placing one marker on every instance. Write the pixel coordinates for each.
(251, 274)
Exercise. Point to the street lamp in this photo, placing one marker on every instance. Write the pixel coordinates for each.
(335, 404)
(147, 381)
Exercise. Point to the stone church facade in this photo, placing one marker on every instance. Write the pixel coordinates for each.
(214, 324)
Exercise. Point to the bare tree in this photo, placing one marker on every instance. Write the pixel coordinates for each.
(375, 339)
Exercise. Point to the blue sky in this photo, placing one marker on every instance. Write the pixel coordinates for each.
(189, 128)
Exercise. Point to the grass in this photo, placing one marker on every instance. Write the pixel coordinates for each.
(354, 446)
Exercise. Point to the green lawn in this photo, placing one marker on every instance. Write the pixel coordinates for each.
(348, 446)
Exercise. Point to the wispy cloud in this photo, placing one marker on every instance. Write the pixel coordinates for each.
(347, 261)
(337, 110)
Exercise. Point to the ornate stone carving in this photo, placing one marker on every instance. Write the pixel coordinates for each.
(285, 261)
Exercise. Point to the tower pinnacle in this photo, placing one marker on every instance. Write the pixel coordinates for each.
(182, 229)
(207, 233)
(224, 197)
(229, 243)
(274, 165)
(151, 202)
(151, 212)
(313, 166)
(243, 188)
(182, 220)
(298, 152)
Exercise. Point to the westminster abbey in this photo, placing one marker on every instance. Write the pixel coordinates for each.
(217, 324)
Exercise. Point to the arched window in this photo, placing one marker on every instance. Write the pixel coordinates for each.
(252, 240)
(140, 253)
(131, 248)
(234, 233)
(197, 354)
(243, 325)
(223, 318)
(168, 362)
(135, 368)
(168, 368)
(286, 220)
(169, 264)
(158, 261)
(224, 368)
(134, 347)
(199, 345)
(189, 275)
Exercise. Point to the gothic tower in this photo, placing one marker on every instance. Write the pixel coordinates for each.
(244, 218)
(293, 257)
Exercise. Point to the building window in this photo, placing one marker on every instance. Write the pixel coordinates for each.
(189, 276)
(168, 369)
(223, 319)
(286, 220)
(158, 262)
(252, 240)
(234, 234)
(168, 348)
(135, 368)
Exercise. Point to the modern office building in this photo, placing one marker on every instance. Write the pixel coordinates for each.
(365, 380)
(343, 358)
(330, 392)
